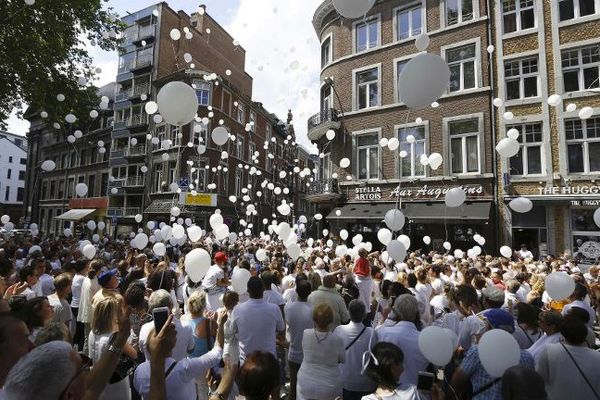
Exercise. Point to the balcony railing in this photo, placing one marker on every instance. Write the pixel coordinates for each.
(138, 150)
(123, 95)
(136, 120)
(143, 61)
(146, 31)
(134, 181)
(117, 153)
(122, 211)
(140, 89)
(319, 123)
(323, 191)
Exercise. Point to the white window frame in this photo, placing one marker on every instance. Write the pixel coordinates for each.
(158, 174)
(444, 13)
(410, 7)
(239, 182)
(524, 145)
(252, 121)
(239, 147)
(585, 142)
(580, 66)
(329, 98)
(325, 167)
(356, 149)
(203, 86)
(414, 160)
(241, 113)
(366, 21)
(521, 77)
(477, 65)
(576, 11)
(357, 71)
(517, 11)
(251, 151)
(330, 52)
(480, 144)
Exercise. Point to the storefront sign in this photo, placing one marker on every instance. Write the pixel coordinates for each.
(590, 249)
(593, 203)
(434, 192)
(200, 199)
(569, 190)
(367, 193)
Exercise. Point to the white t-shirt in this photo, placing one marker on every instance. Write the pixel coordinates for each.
(402, 392)
(273, 297)
(586, 306)
(214, 274)
(525, 254)
(62, 311)
(298, 317)
(352, 377)
(185, 339)
(76, 289)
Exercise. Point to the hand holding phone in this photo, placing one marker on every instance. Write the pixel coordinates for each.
(425, 381)
(160, 315)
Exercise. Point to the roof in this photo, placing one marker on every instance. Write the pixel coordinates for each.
(21, 148)
(12, 136)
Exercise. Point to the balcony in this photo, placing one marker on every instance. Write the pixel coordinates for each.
(117, 153)
(122, 211)
(134, 181)
(145, 32)
(320, 123)
(323, 191)
(137, 120)
(142, 62)
(135, 151)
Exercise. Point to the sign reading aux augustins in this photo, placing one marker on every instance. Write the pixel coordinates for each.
(425, 192)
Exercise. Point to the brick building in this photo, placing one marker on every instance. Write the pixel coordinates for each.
(150, 178)
(547, 47)
(361, 62)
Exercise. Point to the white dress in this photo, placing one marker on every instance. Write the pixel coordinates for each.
(116, 391)
(319, 377)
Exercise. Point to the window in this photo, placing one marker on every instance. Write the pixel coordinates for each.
(464, 146)
(252, 121)
(200, 133)
(580, 68)
(366, 34)
(241, 113)
(44, 190)
(7, 194)
(70, 187)
(203, 90)
(226, 103)
(172, 176)
(367, 154)
(367, 88)
(239, 148)
(583, 145)
(410, 165)
(21, 175)
(8, 173)
(458, 11)
(104, 185)
(158, 182)
(521, 77)
(326, 52)
(251, 151)
(326, 98)
(20, 193)
(52, 190)
(18, 142)
(64, 160)
(569, 9)
(91, 185)
(461, 61)
(238, 182)
(23, 161)
(528, 160)
(409, 22)
(61, 189)
(518, 15)
(73, 158)
(399, 67)
(325, 167)
(224, 179)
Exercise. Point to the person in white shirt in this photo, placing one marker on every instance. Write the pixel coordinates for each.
(270, 295)
(405, 335)
(215, 283)
(578, 300)
(437, 285)
(185, 336)
(298, 317)
(357, 339)
(550, 322)
(81, 270)
(256, 323)
(58, 300)
(28, 275)
(524, 253)
(510, 296)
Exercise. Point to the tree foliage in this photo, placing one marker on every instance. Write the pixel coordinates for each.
(43, 54)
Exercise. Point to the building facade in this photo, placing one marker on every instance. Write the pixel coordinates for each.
(361, 64)
(50, 198)
(156, 166)
(547, 47)
(13, 162)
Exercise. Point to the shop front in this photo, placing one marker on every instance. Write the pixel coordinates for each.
(80, 212)
(425, 211)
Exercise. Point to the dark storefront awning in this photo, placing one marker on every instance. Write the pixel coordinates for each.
(418, 212)
(161, 207)
(76, 214)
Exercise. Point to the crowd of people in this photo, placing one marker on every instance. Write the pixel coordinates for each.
(321, 326)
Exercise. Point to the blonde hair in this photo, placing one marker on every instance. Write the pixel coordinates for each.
(197, 302)
(105, 315)
(322, 315)
(402, 278)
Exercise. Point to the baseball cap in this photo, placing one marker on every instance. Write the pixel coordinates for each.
(494, 294)
(220, 257)
(106, 275)
(500, 319)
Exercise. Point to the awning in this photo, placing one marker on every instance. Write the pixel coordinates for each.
(164, 207)
(76, 214)
(421, 212)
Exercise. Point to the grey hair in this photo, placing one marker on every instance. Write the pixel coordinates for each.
(51, 332)
(159, 298)
(406, 308)
(357, 310)
(513, 286)
(42, 374)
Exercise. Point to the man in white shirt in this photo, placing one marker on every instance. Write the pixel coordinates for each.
(524, 253)
(298, 317)
(578, 300)
(58, 300)
(357, 339)
(215, 283)
(185, 336)
(270, 295)
(550, 322)
(256, 323)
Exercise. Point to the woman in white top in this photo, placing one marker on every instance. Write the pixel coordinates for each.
(105, 319)
(81, 271)
(319, 377)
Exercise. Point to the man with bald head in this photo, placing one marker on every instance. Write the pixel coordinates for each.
(327, 294)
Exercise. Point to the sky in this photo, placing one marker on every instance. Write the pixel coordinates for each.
(282, 52)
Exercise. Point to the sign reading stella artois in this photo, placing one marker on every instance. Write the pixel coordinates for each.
(425, 192)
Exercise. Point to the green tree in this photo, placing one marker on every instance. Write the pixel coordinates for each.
(43, 54)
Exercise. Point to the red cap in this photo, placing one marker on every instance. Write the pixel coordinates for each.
(220, 257)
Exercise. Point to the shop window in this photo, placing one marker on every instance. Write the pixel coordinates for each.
(458, 11)
(409, 22)
(518, 15)
(585, 235)
(413, 142)
(570, 9)
(464, 146)
(583, 145)
(529, 159)
(367, 88)
(463, 74)
(367, 154)
(580, 68)
(366, 34)
(521, 77)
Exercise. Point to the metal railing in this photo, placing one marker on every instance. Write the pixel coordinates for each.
(143, 61)
(117, 153)
(146, 31)
(138, 150)
(140, 89)
(134, 181)
(329, 115)
(122, 211)
(136, 120)
(324, 187)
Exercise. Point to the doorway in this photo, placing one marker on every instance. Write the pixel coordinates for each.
(530, 237)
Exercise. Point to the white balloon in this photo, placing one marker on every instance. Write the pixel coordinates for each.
(490, 48)
(294, 251)
(141, 240)
(166, 232)
(221, 232)
(384, 235)
(91, 225)
(426, 240)
(383, 142)
(151, 107)
(393, 144)
(194, 233)
(435, 160)
(71, 139)
(178, 231)
(5, 219)
(9, 226)
(219, 136)
(559, 285)
(175, 34)
(513, 133)
(341, 251)
(283, 230)
(597, 217)
(571, 107)
(498, 102)
(458, 253)
(330, 135)
(423, 80)
(554, 100)
(48, 165)
(586, 112)
(159, 249)
(89, 251)
(138, 218)
(70, 118)
(396, 250)
(521, 204)
(455, 197)
(239, 280)
(175, 211)
(507, 147)
(357, 239)
(344, 163)
(343, 234)
(197, 262)
(476, 250)
(394, 219)
(506, 251)
(447, 245)
(67, 232)
(318, 216)
(508, 115)
(177, 103)
(215, 221)
(352, 9)
(498, 351)
(422, 42)
(405, 240)
(261, 255)
(436, 345)
(81, 189)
